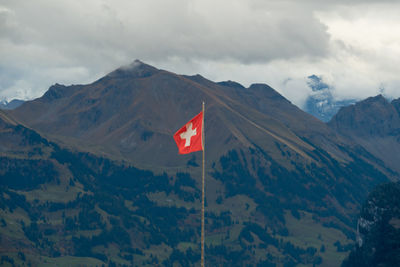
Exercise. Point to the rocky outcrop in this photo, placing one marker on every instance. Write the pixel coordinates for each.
(378, 231)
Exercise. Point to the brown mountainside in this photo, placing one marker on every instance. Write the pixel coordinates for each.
(132, 113)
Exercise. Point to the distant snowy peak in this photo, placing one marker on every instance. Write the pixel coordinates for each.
(316, 84)
(321, 102)
(4, 104)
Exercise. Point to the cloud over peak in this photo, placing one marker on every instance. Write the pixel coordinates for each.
(277, 42)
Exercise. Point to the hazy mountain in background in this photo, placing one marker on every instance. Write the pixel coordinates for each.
(12, 104)
(375, 124)
(321, 102)
(282, 186)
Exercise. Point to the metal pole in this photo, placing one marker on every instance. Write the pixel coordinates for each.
(202, 195)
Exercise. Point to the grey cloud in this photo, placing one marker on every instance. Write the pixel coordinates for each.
(242, 35)
(44, 41)
(99, 36)
(8, 29)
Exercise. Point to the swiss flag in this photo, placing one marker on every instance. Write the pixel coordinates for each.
(189, 137)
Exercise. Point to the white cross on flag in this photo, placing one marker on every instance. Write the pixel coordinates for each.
(189, 137)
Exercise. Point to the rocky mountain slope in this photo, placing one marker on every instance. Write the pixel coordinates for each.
(378, 229)
(375, 124)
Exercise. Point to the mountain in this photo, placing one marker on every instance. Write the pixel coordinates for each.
(373, 123)
(321, 102)
(133, 111)
(282, 187)
(12, 104)
(378, 229)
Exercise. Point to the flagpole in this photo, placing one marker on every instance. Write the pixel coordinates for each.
(202, 194)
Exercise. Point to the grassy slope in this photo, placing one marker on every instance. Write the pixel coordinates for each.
(242, 210)
(303, 233)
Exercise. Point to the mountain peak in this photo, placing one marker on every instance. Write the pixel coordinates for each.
(264, 90)
(316, 83)
(379, 99)
(232, 84)
(136, 69)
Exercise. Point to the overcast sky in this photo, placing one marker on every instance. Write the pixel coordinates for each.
(353, 45)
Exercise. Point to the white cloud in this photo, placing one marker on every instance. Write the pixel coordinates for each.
(354, 45)
(365, 49)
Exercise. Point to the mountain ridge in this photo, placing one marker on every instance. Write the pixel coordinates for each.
(11, 104)
(211, 98)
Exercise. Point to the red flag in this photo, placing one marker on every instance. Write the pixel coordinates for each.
(189, 137)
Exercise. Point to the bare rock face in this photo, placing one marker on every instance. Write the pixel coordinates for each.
(378, 231)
